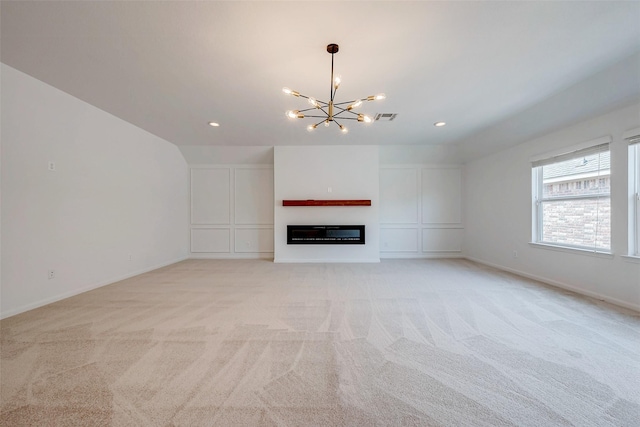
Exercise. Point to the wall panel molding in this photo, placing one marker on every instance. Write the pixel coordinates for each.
(421, 211)
(441, 196)
(399, 196)
(246, 192)
(210, 240)
(254, 240)
(210, 195)
(253, 194)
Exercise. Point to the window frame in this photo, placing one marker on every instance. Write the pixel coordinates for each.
(634, 200)
(538, 199)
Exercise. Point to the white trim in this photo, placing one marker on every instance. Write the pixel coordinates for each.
(230, 256)
(192, 222)
(231, 166)
(229, 240)
(631, 133)
(235, 193)
(633, 198)
(326, 261)
(422, 255)
(235, 240)
(631, 258)
(423, 166)
(570, 149)
(417, 195)
(87, 288)
(571, 249)
(615, 301)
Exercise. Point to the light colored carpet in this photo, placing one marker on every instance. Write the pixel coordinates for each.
(400, 343)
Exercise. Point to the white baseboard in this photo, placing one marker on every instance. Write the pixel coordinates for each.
(424, 255)
(260, 255)
(326, 261)
(596, 295)
(90, 287)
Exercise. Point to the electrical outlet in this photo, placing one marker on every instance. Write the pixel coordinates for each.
(51, 166)
(130, 257)
(515, 254)
(52, 274)
(329, 190)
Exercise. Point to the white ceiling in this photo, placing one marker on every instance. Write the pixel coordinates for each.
(497, 72)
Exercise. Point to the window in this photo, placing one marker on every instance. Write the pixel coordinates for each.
(633, 138)
(574, 216)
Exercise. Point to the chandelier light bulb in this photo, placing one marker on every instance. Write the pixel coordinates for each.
(313, 102)
(343, 129)
(326, 123)
(381, 96)
(354, 105)
(336, 81)
(290, 92)
(363, 118)
(310, 128)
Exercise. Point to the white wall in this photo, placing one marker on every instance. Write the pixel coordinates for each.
(217, 155)
(117, 193)
(352, 172)
(498, 215)
(421, 211)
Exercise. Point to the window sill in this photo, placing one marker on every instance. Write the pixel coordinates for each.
(632, 258)
(598, 254)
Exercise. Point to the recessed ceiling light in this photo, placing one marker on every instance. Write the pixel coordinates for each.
(439, 124)
(214, 124)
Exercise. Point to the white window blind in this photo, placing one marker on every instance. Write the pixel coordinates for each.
(634, 139)
(572, 155)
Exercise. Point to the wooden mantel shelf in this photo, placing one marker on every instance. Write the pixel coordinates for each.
(326, 203)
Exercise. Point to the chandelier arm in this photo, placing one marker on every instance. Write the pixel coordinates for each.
(322, 117)
(323, 110)
(312, 108)
(346, 102)
(344, 110)
(317, 100)
(342, 118)
(318, 108)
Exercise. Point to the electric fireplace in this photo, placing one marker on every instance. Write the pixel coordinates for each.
(325, 234)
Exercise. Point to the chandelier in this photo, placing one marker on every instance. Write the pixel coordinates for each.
(331, 111)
